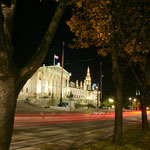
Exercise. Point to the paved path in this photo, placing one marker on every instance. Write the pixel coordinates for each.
(63, 131)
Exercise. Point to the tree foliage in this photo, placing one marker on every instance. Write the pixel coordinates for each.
(91, 22)
(116, 27)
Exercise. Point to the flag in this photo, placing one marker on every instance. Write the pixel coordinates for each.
(56, 57)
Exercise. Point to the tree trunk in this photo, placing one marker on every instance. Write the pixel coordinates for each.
(143, 85)
(118, 82)
(118, 113)
(143, 110)
(143, 93)
(7, 111)
(12, 78)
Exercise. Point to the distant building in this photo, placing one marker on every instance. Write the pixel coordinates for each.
(83, 93)
(46, 83)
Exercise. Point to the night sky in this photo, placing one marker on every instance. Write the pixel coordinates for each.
(31, 21)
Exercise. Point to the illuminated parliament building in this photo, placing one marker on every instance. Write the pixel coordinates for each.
(46, 83)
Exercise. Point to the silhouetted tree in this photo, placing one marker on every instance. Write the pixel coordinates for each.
(12, 77)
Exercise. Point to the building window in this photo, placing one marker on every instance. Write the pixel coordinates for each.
(26, 90)
(39, 77)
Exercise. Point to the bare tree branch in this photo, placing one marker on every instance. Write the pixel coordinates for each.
(8, 19)
(1, 25)
(35, 62)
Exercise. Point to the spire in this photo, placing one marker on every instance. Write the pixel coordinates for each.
(88, 72)
(88, 77)
(88, 80)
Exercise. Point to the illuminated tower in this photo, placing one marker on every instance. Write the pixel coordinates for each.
(77, 84)
(87, 81)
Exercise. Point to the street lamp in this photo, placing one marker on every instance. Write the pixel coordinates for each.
(130, 98)
(135, 102)
(110, 100)
(97, 99)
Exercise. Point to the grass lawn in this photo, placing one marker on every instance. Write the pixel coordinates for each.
(134, 139)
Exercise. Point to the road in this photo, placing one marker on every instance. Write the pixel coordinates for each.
(65, 131)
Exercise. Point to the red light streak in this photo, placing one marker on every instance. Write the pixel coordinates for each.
(37, 119)
(72, 121)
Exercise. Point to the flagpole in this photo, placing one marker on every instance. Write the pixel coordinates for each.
(54, 60)
(60, 104)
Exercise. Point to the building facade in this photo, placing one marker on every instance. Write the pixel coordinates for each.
(84, 93)
(46, 83)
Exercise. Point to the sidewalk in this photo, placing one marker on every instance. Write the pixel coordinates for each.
(23, 107)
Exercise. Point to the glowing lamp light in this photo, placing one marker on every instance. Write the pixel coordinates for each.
(113, 106)
(110, 100)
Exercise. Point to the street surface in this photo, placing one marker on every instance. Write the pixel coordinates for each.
(65, 131)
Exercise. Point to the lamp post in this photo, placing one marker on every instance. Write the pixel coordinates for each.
(97, 99)
(60, 104)
(110, 101)
(135, 102)
(130, 103)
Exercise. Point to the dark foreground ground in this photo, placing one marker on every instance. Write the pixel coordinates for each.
(38, 129)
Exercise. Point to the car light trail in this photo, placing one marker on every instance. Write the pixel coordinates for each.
(28, 120)
(72, 121)
(38, 119)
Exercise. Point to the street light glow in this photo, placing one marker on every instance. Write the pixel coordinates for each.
(110, 100)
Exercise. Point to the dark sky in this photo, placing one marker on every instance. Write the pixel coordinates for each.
(31, 21)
